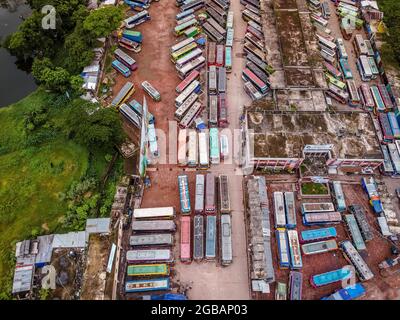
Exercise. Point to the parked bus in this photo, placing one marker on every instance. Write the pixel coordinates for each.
(259, 44)
(332, 70)
(371, 52)
(226, 239)
(195, 5)
(319, 20)
(366, 97)
(137, 19)
(341, 49)
(359, 45)
(224, 199)
(203, 151)
(182, 44)
(154, 213)
(251, 48)
(151, 91)
(385, 96)
(194, 75)
(364, 68)
(222, 111)
(198, 238)
(193, 149)
(157, 284)
(121, 68)
(149, 256)
(295, 285)
(210, 205)
(180, 63)
(152, 139)
(192, 32)
(222, 4)
(212, 33)
(199, 199)
(248, 15)
(317, 207)
(228, 59)
(290, 210)
(229, 38)
(130, 115)
(338, 196)
(176, 55)
(394, 124)
(318, 234)
(379, 104)
(251, 90)
(182, 145)
(124, 94)
(159, 239)
(352, 255)
(338, 94)
(186, 19)
(257, 61)
(186, 245)
(195, 64)
(216, 26)
(279, 210)
(395, 156)
(255, 32)
(219, 61)
(362, 221)
(182, 110)
(184, 14)
(326, 278)
(355, 232)
(322, 218)
(211, 235)
(374, 68)
(217, 14)
(349, 293)
(212, 48)
(328, 56)
(354, 97)
(229, 20)
(213, 110)
(294, 249)
(344, 65)
(387, 166)
(283, 248)
(341, 85)
(248, 75)
(221, 80)
(212, 79)
(193, 87)
(130, 45)
(180, 28)
(125, 59)
(214, 146)
(184, 196)
(324, 43)
(153, 226)
(224, 147)
(261, 74)
(148, 270)
(319, 247)
(255, 3)
(189, 117)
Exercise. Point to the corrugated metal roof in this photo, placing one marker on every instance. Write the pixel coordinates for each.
(100, 225)
(45, 249)
(23, 274)
(70, 240)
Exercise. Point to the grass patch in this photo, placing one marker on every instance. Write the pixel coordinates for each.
(311, 188)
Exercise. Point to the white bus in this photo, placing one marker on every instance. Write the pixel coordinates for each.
(195, 64)
(180, 63)
(212, 79)
(190, 115)
(229, 20)
(193, 149)
(154, 213)
(203, 151)
(194, 87)
(213, 110)
(182, 160)
(279, 209)
(180, 112)
(341, 49)
(182, 44)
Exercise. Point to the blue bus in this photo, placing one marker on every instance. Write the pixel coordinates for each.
(318, 234)
(228, 59)
(349, 293)
(120, 67)
(326, 278)
(283, 248)
(344, 65)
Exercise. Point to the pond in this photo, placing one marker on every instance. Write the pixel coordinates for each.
(15, 83)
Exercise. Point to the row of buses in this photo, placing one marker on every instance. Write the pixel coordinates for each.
(255, 74)
(151, 254)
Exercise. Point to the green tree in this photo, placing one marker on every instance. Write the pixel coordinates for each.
(53, 78)
(103, 21)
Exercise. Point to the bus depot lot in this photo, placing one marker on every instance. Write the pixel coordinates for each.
(378, 249)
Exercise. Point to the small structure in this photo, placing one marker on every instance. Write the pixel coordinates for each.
(23, 274)
(70, 240)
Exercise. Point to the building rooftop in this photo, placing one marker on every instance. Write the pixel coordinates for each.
(284, 134)
(70, 240)
(45, 249)
(23, 274)
(100, 225)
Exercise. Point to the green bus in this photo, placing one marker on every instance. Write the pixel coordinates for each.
(175, 56)
(141, 270)
(180, 29)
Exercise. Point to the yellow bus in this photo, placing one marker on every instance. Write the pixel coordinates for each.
(341, 85)
(175, 56)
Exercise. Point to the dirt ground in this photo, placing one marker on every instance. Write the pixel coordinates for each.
(94, 278)
(378, 249)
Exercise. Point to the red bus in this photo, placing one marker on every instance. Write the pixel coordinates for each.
(250, 76)
(210, 207)
(194, 75)
(219, 62)
(211, 53)
(186, 255)
(366, 97)
(222, 111)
